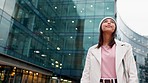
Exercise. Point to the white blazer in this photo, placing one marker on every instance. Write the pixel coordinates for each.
(92, 68)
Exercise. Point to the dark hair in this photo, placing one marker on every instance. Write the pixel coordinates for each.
(112, 41)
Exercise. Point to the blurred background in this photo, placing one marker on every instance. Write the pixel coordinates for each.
(46, 41)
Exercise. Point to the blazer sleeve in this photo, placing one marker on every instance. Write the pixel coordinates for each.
(86, 71)
(131, 66)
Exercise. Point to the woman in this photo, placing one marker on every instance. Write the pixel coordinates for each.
(110, 61)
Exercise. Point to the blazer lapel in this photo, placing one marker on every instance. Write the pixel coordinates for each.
(97, 54)
(120, 52)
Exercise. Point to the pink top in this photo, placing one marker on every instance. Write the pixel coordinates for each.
(108, 62)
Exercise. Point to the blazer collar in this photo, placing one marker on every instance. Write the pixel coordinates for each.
(120, 52)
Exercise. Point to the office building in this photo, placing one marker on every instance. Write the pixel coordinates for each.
(140, 48)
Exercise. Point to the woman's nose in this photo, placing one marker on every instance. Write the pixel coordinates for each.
(108, 22)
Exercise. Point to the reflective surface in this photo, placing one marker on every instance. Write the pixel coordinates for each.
(140, 48)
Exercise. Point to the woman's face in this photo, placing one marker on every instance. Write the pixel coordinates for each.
(108, 25)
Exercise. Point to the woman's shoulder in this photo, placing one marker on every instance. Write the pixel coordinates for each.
(122, 43)
(93, 46)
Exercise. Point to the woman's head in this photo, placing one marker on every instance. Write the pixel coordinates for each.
(107, 26)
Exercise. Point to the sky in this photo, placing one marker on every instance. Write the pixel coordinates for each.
(135, 14)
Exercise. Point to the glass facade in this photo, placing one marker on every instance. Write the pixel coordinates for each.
(52, 34)
(140, 48)
(9, 74)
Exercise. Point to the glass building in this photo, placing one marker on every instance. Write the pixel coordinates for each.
(140, 48)
(45, 41)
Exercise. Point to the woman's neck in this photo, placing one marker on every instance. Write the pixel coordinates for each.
(106, 39)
